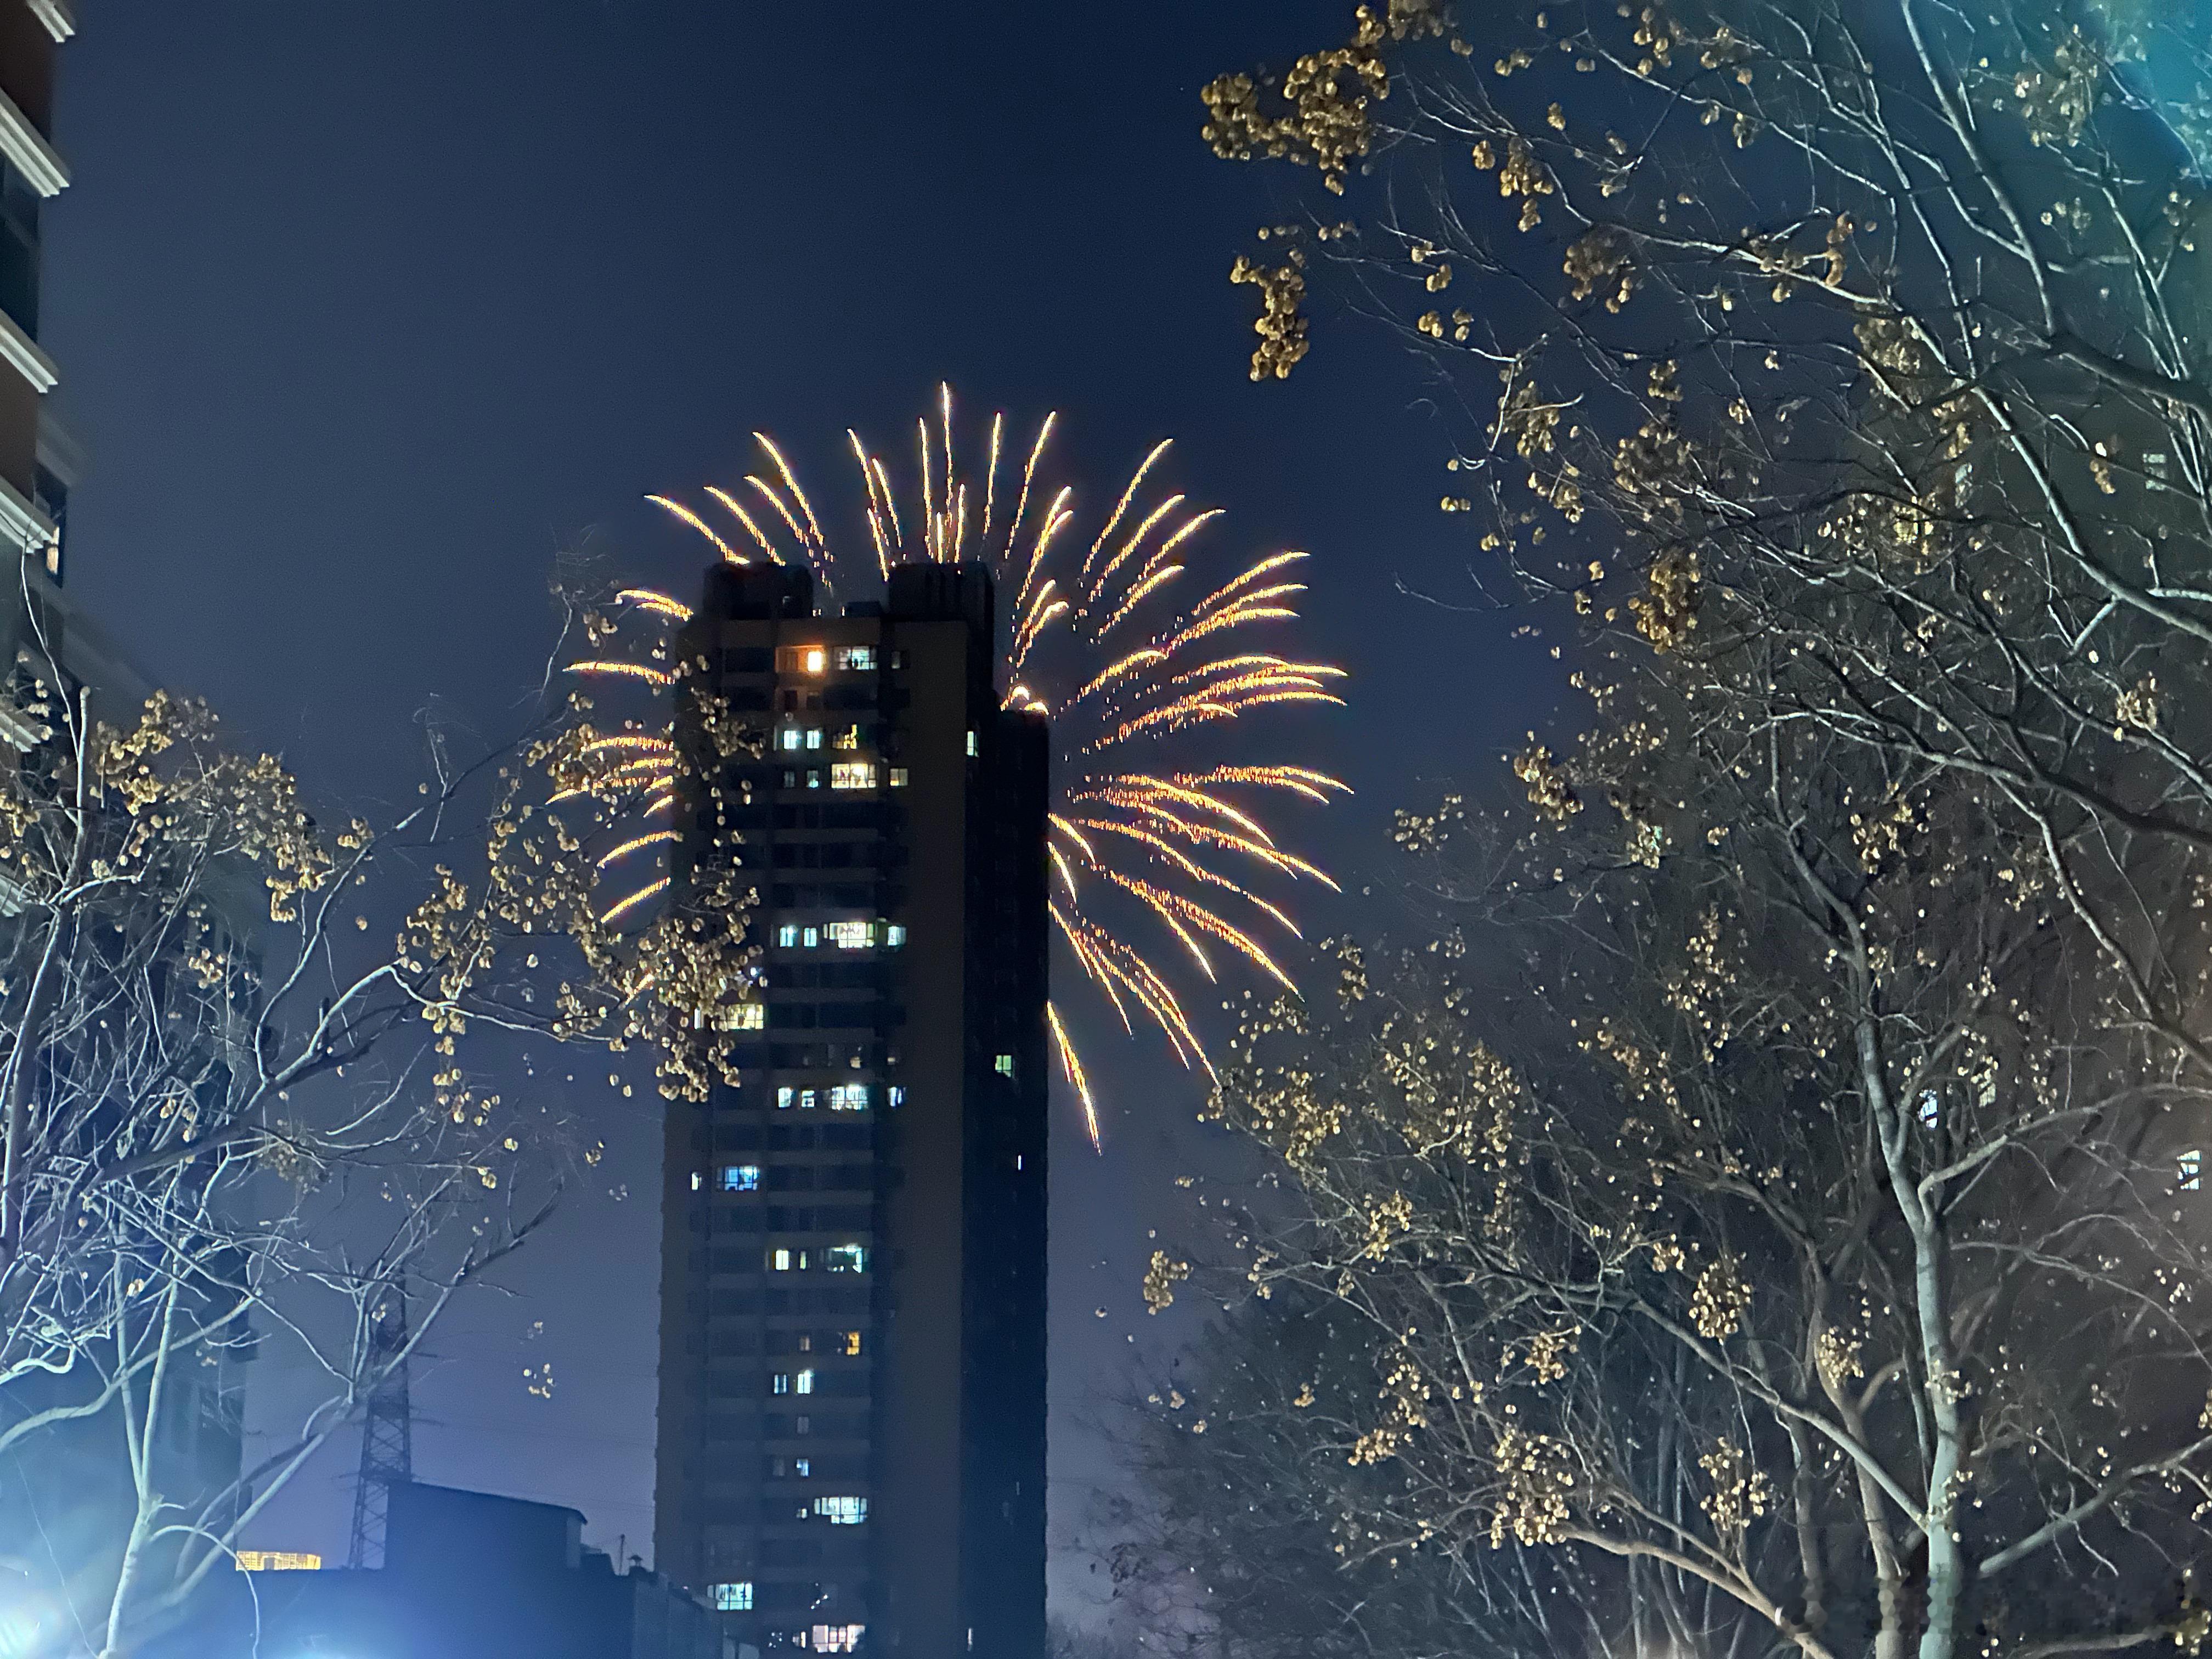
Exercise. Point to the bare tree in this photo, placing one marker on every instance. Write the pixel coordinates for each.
(1806, 1226)
(236, 1113)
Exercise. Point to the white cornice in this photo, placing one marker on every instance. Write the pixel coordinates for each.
(60, 20)
(21, 349)
(28, 148)
(21, 523)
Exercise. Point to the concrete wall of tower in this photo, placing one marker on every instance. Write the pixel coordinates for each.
(864, 1219)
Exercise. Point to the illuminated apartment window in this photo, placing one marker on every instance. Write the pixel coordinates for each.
(973, 748)
(781, 1261)
(803, 1468)
(843, 1511)
(784, 1097)
(849, 739)
(793, 737)
(846, 1259)
(1003, 1065)
(279, 1561)
(801, 659)
(813, 737)
(856, 656)
(2191, 1170)
(749, 1017)
(848, 1096)
(853, 775)
(852, 935)
(814, 779)
(835, 1638)
(1931, 1108)
(732, 1598)
(811, 938)
(788, 935)
(848, 1342)
(805, 1342)
(741, 1178)
(899, 775)
(895, 1096)
(803, 1383)
(894, 935)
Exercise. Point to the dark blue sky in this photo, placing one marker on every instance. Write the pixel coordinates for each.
(363, 311)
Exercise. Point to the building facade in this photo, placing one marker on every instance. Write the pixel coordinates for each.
(43, 639)
(853, 1364)
(466, 1575)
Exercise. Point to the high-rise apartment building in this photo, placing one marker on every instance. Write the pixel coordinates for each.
(852, 1364)
(42, 638)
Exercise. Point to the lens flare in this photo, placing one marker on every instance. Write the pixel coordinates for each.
(1157, 838)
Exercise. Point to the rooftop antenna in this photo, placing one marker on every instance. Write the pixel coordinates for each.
(387, 1431)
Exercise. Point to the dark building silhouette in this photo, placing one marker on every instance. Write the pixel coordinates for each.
(467, 1574)
(852, 1449)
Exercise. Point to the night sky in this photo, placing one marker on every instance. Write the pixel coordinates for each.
(363, 311)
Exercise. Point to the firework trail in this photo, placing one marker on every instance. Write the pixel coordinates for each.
(1146, 667)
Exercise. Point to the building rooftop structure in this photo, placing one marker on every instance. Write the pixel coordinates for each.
(469, 1574)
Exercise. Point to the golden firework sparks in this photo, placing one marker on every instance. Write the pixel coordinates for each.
(1144, 855)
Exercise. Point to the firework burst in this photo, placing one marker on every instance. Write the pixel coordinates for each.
(1147, 666)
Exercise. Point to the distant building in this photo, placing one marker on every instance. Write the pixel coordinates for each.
(852, 1431)
(469, 1576)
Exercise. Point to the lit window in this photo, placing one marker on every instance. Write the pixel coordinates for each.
(843, 1511)
(791, 738)
(696, 1181)
(973, 748)
(803, 1468)
(788, 935)
(805, 1342)
(853, 775)
(812, 659)
(813, 938)
(779, 1261)
(814, 738)
(2192, 1170)
(852, 935)
(277, 1561)
(850, 1342)
(846, 1259)
(790, 779)
(732, 1598)
(849, 739)
(749, 1017)
(856, 656)
(848, 1096)
(1930, 1108)
(803, 1384)
(836, 1639)
(899, 775)
(783, 1099)
(741, 1178)
(895, 1096)
(814, 779)
(780, 1383)
(1003, 1065)
(806, 1100)
(894, 935)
